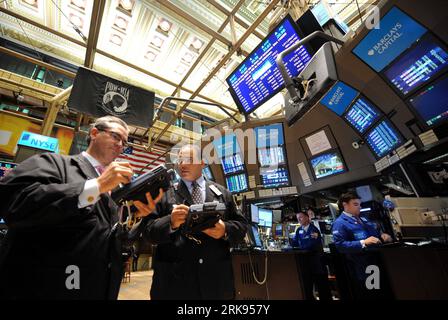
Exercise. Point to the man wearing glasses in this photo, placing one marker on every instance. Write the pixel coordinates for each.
(187, 268)
(61, 242)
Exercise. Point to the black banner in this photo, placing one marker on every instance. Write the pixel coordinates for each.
(99, 95)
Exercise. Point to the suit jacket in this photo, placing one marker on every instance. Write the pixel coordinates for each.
(184, 269)
(48, 233)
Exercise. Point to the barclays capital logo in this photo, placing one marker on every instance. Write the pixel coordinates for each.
(387, 40)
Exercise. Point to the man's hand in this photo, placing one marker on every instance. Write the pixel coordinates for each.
(179, 215)
(372, 240)
(386, 237)
(115, 173)
(146, 209)
(314, 235)
(218, 231)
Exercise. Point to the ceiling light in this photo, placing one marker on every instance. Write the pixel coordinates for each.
(157, 41)
(165, 25)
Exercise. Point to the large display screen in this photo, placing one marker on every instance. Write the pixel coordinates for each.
(274, 177)
(207, 172)
(257, 78)
(254, 213)
(339, 97)
(232, 164)
(418, 65)
(237, 183)
(327, 164)
(362, 114)
(265, 218)
(383, 138)
(431, 103)
(226, 146)
(5, 167)
(269, 136)
(271, 156)
(397, 32)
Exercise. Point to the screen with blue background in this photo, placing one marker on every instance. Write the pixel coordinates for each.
(208, 173)
(339, 97)
(232, 164)
(327, 164)
(321, 13)
(269, 136)
(274, 177)
(254, 213)
(257, 78)
(264, 217)
(362, 114)
(226, 145)
(237, 183)
(432, 102)
(383, 138)
(418, 65)
(5, 167)
(271, 156)
(396, 33)
(38, 141)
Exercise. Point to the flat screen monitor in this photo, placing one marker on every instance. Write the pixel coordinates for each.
(383, 138)
(339, 97)
(6, 167)
(321, 13)
(279, 230)
(257, 239)
(264, 217)
(327, 164)
(271, 156)
(382, 45)
(274, 177)
(207, 172)
(362, 115)
(431, 104)
(269, 136)
(258, 78)
(254, 213)
(418, 65)
(237, 183)
(226, 146)
(232, 164)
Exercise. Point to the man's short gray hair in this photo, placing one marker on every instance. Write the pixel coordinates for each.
(104, 123)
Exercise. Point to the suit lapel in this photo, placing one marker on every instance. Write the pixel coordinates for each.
(183, 192)
(85, 166)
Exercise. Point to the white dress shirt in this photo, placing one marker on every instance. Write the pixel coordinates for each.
(91, 191)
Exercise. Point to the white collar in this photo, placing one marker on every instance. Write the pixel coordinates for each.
(95, 163)
(200, 181)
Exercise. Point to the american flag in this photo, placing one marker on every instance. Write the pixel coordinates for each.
(139, 158)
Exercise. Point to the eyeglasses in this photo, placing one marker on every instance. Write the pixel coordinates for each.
(117, 137)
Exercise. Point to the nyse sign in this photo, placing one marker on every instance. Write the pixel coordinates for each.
(38, 141)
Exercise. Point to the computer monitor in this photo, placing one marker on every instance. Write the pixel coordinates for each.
(226, 146)
(383, 138)
(362, 115)
(237, 183)
(418, 65)
(6, 167)
(257, 78)
(279, 230)
(207, 172)
(327, 164)
(256, 237)
(274, 177)
(254, 213)
(271, 157)
(232, 164)
(339, 97)
(431, 103)
(269, 136)
(265, 217)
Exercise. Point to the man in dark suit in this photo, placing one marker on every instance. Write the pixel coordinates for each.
(185, 268)
(62, 241)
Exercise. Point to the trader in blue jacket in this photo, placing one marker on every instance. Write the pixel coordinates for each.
(352, 233)
(308, 238)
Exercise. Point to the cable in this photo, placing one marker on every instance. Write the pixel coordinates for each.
(75, 27)
(265, 269)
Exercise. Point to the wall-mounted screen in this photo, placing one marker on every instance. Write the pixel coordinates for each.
(327, 164)
(264, 217)
(257, 78)
(383, 138)
(207, 172)
(226, 146)
(339, 97)
(274, 177)
(431, 104)
(269, 136)
(232, 164)
(237, 183)
(254, 213)
(418, 65)
(362, 114)
(271, 156)
(396, 33)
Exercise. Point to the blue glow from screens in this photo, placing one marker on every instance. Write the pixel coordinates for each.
(339, 98)
(271, 157)
(226, 146)
(383, 138)
(279, 230)
(254, 213)
(257, 79)
(432, 103)
(274, 177)
(208, 173)
(321, 13)
(327, 164)
(362, 115)
(396, 33)
(257, 238)
(237, 183)
(269, 136)
(6, 167)
(418, 66)
(232, 164)
(265, 217)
